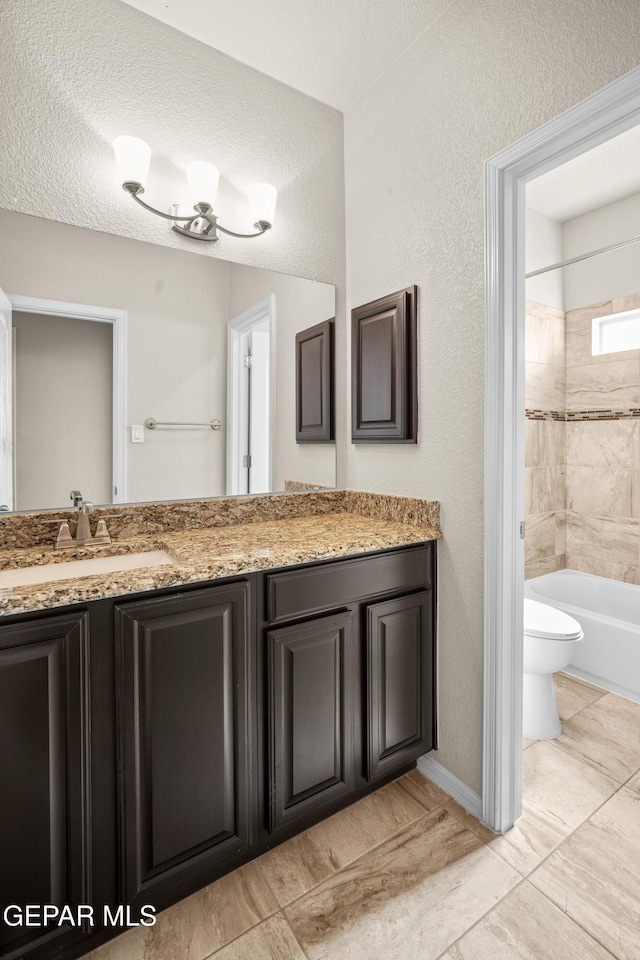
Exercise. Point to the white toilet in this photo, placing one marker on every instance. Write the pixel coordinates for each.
(550, 636)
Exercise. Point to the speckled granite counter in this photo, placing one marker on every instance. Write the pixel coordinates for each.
(306, 528)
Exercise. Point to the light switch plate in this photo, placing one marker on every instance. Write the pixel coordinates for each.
(137, 433)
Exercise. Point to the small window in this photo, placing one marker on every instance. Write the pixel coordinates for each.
(618, 331)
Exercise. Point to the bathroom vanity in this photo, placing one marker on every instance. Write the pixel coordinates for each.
(162, 736)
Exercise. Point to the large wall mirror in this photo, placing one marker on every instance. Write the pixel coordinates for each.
(135, 372)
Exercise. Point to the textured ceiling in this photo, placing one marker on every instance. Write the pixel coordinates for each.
(595, 179)
(332, 50)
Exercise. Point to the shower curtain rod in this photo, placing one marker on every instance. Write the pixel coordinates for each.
(583, 256)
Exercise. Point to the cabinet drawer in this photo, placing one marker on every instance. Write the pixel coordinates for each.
(317, 588)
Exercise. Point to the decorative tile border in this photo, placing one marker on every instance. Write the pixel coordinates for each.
(545, 415)
(629, 413)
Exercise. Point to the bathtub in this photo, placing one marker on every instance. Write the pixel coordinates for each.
(609, 614)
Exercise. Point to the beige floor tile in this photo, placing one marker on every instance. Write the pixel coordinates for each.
(271, 940)
(526, 926)
(527, 742)
(135, 944)
(560, 789)
(529, 841)
(634, 783)
(201, 924)
(594, 876)
(605, 735)
(409, 898)
(423, 790)
(303, 862)
(573, 696)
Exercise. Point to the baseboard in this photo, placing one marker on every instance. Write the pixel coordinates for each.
(457, 790)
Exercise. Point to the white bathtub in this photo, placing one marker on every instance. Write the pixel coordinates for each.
(609, 614)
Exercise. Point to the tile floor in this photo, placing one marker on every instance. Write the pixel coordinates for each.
(406, 873)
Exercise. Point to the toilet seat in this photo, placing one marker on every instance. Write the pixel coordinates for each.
(549, 623)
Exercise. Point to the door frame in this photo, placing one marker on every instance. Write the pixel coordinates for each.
(118, 319)
(605, 114)
(264, 309)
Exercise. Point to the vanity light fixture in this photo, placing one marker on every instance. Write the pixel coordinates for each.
(132, 161)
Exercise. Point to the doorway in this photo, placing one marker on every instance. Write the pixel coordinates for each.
(606, 114)
(50, 428)
(250, 374)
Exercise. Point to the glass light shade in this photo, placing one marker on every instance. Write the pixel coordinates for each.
(132, 159)
(262, 202)
(202, 178)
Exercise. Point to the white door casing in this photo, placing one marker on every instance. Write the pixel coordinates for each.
(118, 320)
(260, 314)
(6, 406)
(607, 113)
(260, 414)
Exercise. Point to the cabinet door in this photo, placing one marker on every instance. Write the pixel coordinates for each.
(399, 681)
(310, 715)
(44, 716)
(187, 786)
(384, 393)
(314, 384)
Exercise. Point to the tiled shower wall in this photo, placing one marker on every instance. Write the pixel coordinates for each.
(603, 451)
(545, 432)
(582, 447)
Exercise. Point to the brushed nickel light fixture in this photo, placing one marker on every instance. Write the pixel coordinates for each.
(132, 161)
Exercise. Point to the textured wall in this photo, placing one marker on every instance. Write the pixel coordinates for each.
(482, 76)
(76, 73)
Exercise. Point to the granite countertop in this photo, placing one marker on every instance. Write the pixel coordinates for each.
(223, 551)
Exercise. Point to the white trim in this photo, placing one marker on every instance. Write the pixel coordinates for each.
(600, 117)
(262, 310)
(118, 318)
(457, 790)
(6, 405)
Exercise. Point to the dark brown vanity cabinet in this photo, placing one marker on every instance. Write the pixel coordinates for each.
(152, 743)
(185, 683)
(44, 767)
(348, 664)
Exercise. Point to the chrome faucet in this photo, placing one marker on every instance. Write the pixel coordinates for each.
(83, 537)
(83, 533)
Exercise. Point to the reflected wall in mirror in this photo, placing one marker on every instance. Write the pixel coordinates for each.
(101, 334)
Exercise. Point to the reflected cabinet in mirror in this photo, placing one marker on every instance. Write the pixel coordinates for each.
(136, 372)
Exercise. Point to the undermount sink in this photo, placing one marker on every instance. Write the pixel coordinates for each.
(70, 569)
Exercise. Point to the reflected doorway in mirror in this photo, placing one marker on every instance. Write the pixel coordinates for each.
(58, 423)
(250, 377)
